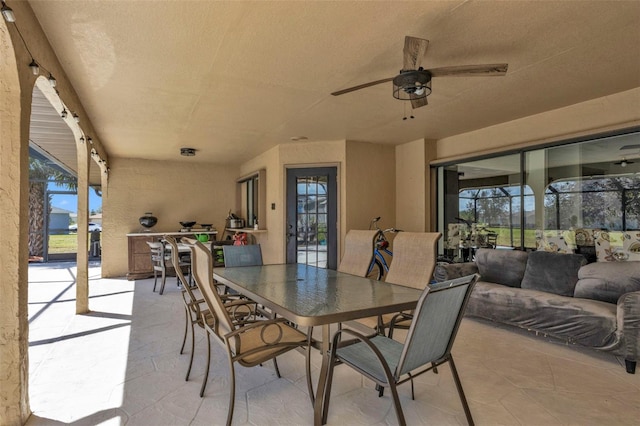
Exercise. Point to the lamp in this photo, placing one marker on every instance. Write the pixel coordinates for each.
(623, 163)
(35, 68)
(7, 13)
(52, 80)
(76, 117)
(63, 114)
(412, 84)
(188, 152)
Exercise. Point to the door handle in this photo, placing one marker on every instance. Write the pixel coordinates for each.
(290, 233)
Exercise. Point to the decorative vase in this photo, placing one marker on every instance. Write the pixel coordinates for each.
(148, 221)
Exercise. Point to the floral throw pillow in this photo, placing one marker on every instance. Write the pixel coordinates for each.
(617, 246)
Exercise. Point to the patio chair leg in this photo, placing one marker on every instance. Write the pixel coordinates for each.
(193, 344)
(456, 379)
(275, 365)
(164, 280)
(206, 373)
(413, 396)
(155, 280)
(327, 390)
(396, 402)
(186, 326)
(232, 391)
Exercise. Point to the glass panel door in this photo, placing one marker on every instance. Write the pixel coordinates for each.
(311, 217)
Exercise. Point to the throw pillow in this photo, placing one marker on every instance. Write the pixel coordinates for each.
(552, 272)
(504, 267)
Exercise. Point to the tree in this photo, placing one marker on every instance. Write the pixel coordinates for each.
(40, 174)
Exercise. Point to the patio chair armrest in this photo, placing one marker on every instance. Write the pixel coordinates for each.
(335, 346)
(255, 324)
(241, 310)
(397, 318)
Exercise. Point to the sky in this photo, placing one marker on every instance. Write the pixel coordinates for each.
(70, 201)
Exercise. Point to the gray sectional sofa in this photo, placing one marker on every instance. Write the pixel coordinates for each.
(559, 295)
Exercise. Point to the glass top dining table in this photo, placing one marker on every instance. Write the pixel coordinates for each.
(309, 296)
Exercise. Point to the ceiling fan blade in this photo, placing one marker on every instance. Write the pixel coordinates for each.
(417, 103)
(414, 50)
(489, 70)
(361, 86)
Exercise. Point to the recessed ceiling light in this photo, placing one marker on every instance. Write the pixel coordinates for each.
(299, 138)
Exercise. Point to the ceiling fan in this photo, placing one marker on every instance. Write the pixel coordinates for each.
(623, 163)
(414, 82)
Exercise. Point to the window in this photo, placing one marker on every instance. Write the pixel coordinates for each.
(586, 184)
(252, 199)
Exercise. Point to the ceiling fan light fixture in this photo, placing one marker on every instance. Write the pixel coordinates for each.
(188, 152)
(623, 163)
(412, 85)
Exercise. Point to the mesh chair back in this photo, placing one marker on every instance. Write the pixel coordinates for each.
(358, 252)
(157, 255)
(202, 270)
(435, 323)
(414, 259)
(175, 259)
(249, 255)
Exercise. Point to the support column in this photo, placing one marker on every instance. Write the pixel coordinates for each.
(15, 112)
(82, 280)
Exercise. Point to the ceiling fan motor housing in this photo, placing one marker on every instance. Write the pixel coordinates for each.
(412, 84)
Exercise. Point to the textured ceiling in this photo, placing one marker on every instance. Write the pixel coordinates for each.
(233, 79)
(54, 139)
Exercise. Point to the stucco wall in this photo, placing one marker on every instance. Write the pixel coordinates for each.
(172, 191)
(366, 176)
(612, 112)
(411, 169)
(271, 241)
(370, 171)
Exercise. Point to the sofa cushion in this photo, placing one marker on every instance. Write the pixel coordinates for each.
(587, 322)
(504, 267)
(607, 281)
(552, 272)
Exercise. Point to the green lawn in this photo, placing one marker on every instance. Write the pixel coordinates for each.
(504, 237)
(63, 243)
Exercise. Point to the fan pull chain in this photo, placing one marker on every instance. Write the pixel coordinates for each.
(405, 112)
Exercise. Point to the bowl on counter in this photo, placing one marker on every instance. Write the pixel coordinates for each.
(207, 226)
(187, 225)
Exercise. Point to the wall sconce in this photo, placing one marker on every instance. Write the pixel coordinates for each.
(63, 114)
(7, 13)
(35, 68)
(76, 117)
(52, 80)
